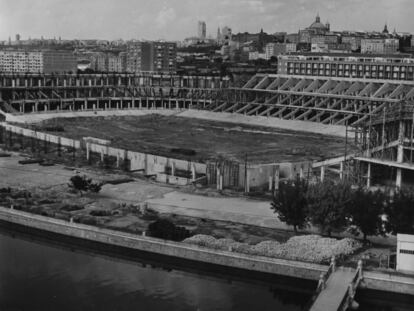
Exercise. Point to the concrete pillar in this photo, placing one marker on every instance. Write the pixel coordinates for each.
(218, 179)
(322, 173)
(221, 182)
(172, 169)
(398, 180)
(270, 183)
(277, 177)
(117, 160)
(400, 153)
(193, 172)
(369, 175)
(301, 173)
(87, 151)
(247, 181)
(341, 170)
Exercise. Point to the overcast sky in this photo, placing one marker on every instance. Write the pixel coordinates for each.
(177, 19)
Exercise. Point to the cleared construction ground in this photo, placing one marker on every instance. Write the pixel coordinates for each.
(200, 140)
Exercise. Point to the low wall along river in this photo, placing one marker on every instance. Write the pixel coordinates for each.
(371, 280)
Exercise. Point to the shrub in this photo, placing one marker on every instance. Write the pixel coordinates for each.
(165, 229)
(82, 183)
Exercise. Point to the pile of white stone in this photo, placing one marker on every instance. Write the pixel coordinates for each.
(309, 248)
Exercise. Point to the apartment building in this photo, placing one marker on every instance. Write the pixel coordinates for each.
(151, 56)
(380, 46)
(43, 61)
(108, 62)
(396, 67)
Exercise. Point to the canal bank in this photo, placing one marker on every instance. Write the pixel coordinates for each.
(387, 282)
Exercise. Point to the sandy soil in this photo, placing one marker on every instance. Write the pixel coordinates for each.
(161, 135)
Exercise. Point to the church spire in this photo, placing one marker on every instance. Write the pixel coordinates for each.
(318, 19)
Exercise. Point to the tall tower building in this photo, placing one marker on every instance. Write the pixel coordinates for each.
(202, 30)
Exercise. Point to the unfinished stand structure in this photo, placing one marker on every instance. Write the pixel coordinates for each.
(326, 100)
(387, 146)
(46, 92)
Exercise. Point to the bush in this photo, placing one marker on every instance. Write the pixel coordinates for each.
(165, 229)
(100, 213)
(71, 208)
(82, 183)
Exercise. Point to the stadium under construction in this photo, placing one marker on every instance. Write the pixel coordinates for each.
(376, 117)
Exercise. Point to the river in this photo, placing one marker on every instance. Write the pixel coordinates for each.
(38, 273)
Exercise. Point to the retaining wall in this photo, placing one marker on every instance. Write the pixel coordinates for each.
(175, 249)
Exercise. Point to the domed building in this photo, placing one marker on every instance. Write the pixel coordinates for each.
(318, 27)
(315, 29)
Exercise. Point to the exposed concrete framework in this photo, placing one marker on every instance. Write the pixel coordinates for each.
(387, 141)
(338, 101)
(34, 93)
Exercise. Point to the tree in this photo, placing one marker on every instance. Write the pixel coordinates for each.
(400, 212)
(365, 212)
(82, 183)
(327, 203)
(290, 203)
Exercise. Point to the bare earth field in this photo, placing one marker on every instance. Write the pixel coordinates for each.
(163, 135)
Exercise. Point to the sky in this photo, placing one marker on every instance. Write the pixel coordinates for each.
(177, 19)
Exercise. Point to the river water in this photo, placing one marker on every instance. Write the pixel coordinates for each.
(40, 274)
(35, 275)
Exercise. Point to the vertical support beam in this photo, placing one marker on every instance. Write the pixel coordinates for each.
(247, 181)
(193, 172)
(369, 175)
(218, 178)
(276, 177)
(341, 170)
(398, 179)
(322, 173)
(88, 156)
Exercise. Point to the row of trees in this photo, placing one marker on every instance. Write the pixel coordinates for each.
(334, 206)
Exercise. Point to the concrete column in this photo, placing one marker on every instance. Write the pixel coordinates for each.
(301, 174)
(400, 153)
(341, 170)
(172, 169)
(369, 175)
(277, 177)
(193, 172)
(117, 160)
(270, 183)
(218, 179)
(87, 151)
(322, 173)
(247, 181)
(398, 180)
(221, 182)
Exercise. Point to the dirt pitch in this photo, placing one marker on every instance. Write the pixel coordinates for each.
(201, 140)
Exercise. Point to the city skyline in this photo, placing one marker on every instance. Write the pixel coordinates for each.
(177, 19)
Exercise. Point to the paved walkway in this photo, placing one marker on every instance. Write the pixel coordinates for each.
(336, 288)
(234, 209)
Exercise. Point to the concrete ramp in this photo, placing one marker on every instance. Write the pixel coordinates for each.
(330, 299)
